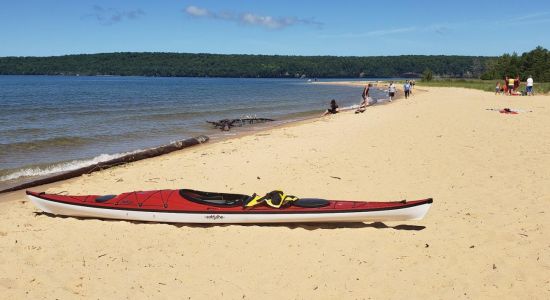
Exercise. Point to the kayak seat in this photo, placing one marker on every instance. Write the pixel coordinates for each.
(105, 198)
(311, 202)
(215, 199)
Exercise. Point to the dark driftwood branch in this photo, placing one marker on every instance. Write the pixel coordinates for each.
(226, 124)
(113, 162)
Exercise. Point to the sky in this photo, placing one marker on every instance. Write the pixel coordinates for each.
(278, 27)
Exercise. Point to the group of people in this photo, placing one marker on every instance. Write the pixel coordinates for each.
(408, 87)
(511, 86)
(392, 90)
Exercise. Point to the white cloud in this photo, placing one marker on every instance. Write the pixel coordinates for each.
(373, 33)
(196, 11)
(268, 22)
(110, 16)
(541, 16)
(390, 31)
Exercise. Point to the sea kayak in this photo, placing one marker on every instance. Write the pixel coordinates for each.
(191, 206)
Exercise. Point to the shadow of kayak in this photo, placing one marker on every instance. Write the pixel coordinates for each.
(308, 226)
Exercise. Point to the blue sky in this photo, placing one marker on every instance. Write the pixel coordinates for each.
(343, 28)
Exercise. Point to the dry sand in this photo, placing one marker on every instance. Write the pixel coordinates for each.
(486, 236)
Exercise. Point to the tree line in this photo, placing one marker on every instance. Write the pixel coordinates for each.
(267, 66)
(535, 62)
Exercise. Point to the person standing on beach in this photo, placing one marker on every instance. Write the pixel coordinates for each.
(366, 91)
(497, 88)
(407, 89)
(391, 90)
(529, 88)
(333, 108)
(510, 84)
(363, 105)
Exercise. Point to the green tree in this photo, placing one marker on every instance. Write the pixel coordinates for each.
(427, 75)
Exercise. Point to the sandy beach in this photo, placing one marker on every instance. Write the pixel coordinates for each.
(486, 236)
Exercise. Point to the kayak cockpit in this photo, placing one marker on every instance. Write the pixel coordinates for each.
(215, 199)
(232, 200)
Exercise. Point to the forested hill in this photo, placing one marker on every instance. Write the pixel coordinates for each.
(218, 65)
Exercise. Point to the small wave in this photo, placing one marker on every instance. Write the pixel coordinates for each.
(61, 167)
(44, 144)
(168, 116)
(21, 131)
(353, 106)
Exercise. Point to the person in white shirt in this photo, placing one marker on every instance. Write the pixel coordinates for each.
(530, 85)
(391, 91)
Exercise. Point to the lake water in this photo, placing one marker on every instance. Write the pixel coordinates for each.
(50, 124)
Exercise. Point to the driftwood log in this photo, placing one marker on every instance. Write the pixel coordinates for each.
(148, 153)
(226, 124)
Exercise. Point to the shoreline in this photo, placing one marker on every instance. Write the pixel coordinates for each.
(17, 194)
(485, 170)
(213, 134)
(221, 137)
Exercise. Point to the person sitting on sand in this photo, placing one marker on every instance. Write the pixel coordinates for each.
(333, 108)
(391, 91)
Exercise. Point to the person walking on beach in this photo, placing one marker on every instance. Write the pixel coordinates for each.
(391, 91)
(333, 108)
(366, 91)
(529, 88)
(407, 89)
(363, 105)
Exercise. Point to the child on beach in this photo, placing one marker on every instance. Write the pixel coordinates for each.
(333, 108)
(497, 88)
